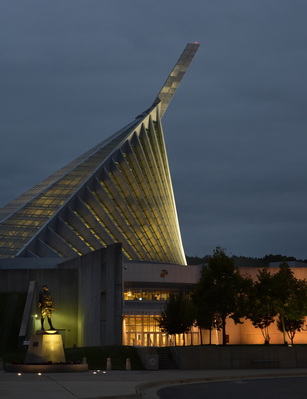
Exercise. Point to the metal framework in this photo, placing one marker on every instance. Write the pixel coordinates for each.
(119, 191)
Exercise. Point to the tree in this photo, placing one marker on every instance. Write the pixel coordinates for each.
(220, 291)
(178, 315)
(291, 301)
(194, 260)
(290, 326)
(278, 258)
(205, 318)
(261, 307)
(278, 294)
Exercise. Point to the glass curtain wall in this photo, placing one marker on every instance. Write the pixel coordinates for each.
(143, 330)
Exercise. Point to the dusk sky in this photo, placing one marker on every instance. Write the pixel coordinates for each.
(73, 72)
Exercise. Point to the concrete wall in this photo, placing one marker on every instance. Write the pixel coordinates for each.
(160, 274)
(241, 357)
(63, 286)
(100, 298)
(144, 353)
(86, 290)
(247, 334)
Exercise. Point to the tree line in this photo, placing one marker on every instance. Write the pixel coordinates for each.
(246, 260)
(222, 293)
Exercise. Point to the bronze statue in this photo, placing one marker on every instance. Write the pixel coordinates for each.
(46, 306)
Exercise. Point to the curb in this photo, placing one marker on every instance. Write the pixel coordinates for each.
(142, 389)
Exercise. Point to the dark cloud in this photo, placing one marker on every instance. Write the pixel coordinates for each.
(73, 72)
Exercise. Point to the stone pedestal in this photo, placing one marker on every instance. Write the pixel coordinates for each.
(46, 355)
(45, 347)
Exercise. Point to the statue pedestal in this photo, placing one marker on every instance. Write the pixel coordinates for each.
(45, 347)
(46, 355)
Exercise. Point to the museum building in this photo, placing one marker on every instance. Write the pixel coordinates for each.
(103, 234)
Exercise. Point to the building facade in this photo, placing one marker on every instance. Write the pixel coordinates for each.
(103, 234)
(118, 193)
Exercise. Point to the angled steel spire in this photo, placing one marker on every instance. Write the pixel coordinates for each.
(119, 191)
(175, 77)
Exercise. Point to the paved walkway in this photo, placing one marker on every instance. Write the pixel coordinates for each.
(118, 384)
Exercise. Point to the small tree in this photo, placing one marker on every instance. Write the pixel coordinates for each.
(291, 301)
(177, 316)
(278, 294)
(206, 320)
(290, 326)
(219, 292)
(261, 307)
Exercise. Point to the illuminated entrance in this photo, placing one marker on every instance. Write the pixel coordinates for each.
(143, 330)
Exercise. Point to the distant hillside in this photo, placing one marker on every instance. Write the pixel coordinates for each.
(244, 261)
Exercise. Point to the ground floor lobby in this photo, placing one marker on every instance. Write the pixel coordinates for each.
(143, 330)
